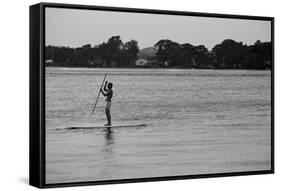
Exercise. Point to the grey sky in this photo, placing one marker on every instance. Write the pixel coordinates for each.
(74, 28)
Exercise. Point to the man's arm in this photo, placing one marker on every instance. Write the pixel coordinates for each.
(103, 93)
(104, 87)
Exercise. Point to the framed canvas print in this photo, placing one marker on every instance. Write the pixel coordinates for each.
(123, 95)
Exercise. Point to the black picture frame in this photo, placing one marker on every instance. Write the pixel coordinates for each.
(37, 94)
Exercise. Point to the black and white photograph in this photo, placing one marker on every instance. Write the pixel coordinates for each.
(131, 95)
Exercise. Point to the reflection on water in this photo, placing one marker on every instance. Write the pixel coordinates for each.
(198, 121)
(109, 136)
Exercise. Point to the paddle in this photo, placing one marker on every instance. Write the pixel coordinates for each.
(98, 94)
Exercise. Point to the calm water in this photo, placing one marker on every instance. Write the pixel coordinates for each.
(198, 122)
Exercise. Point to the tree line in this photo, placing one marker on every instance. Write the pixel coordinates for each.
(114, 53)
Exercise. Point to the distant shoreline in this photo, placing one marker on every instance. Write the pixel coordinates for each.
(153, 68)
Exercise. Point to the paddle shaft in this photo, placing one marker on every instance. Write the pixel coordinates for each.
(98, 94)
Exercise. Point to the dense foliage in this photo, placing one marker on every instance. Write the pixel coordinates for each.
(114, 53)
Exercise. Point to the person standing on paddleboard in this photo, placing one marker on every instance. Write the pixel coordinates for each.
(108, 93)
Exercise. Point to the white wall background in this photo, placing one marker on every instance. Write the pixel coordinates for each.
(14, 79)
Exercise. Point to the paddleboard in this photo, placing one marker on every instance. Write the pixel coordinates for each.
(102, 126)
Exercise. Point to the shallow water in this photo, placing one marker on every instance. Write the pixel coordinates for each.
(198, 122)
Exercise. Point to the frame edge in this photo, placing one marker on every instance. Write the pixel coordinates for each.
(35, 172)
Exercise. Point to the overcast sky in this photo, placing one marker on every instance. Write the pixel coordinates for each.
(74, 28)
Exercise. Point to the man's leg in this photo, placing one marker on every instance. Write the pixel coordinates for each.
(108, 116)
(107, 112)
